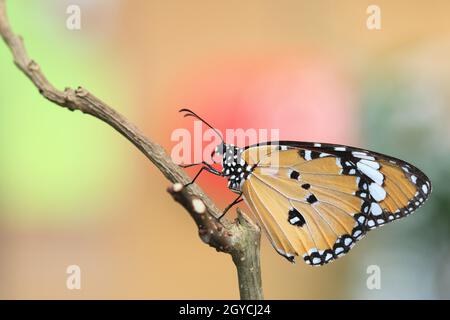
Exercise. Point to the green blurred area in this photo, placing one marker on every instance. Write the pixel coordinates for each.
(406, 111)
(53, 159)
(408, 117)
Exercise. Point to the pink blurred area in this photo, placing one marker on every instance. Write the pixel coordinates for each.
(303, 97)
(292, 65)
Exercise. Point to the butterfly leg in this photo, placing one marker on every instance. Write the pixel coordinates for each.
(194, 164)
(208, 168)
(236, 201)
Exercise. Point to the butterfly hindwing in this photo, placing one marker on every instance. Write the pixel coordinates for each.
(316, 200)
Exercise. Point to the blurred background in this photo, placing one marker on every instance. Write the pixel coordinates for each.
(73, 191)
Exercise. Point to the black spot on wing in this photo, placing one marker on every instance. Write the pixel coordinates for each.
(294, 175)
(295, 218)
(308, 154)
(306, 186)
(311, 199)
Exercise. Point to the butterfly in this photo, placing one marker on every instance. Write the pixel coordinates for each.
(316, 200)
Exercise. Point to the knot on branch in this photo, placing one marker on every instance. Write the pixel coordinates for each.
(33, 66)
(198, 206)
(70, 99)
(81, 92)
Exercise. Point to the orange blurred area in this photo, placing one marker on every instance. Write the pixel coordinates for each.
(74, 192)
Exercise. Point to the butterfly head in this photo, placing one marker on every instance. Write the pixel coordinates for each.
(234, 167)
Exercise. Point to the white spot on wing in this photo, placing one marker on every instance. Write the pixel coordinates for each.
(369, 163)
(372, 173)
(377, 192)
(294, 220)
(362, 155)
(375, 209)
(425, 188)
(308, 155)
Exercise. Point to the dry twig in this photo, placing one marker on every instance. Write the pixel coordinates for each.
(238, 238)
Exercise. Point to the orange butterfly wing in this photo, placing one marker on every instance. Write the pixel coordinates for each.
(317, 200)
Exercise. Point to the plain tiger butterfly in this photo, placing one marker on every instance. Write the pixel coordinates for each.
(316, 200)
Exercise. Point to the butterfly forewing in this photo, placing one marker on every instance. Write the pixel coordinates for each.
(316, 200)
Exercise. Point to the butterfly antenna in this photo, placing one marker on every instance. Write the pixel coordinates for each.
(190, 113)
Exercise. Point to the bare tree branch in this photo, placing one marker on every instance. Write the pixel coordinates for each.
(238, 238)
